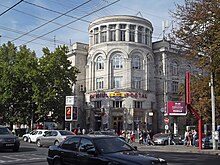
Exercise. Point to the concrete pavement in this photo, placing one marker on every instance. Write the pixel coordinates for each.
(176, 148)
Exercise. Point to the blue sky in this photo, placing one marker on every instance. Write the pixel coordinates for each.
(40, 23)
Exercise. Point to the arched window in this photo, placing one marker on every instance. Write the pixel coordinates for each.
(136, 62)
(174, 68)
(188, 68)
(100, 63)
(117, 62)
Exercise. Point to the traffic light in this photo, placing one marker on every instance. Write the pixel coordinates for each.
(68, 113)
(75, 113)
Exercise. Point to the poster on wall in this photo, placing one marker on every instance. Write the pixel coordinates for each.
(176, 108)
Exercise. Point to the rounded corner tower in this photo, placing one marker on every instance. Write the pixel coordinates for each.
(120, 84)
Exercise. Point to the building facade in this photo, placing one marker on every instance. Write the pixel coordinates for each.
(125, 79)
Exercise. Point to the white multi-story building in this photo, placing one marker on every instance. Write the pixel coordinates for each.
(125, 79)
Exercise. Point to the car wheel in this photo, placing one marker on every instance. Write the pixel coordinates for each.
(57, 162)
(38, 143)
(25, 139)
(15, 149)
(166, 142)
(56, 143)
(29, 140)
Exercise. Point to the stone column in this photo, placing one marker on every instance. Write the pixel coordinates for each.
(127, 33)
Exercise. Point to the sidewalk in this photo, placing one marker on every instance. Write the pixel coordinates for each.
(176, 148)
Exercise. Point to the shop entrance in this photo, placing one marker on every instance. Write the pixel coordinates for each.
(118, 123)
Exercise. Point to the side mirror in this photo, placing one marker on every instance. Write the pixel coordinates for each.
(135, 147)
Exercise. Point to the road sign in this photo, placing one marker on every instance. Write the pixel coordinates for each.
(166, 127)
(68, 113)
(166, 120)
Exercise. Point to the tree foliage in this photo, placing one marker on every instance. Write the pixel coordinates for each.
(30, 86)
(197, 32)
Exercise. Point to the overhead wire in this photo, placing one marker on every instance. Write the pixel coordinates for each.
(31, 35)
(51, 20)
(71, 22)
(10, 8)
(55, 22)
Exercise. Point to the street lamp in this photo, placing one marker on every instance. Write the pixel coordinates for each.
(212, 103)
(213, 108)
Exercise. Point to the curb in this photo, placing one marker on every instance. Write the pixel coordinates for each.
(176, 148)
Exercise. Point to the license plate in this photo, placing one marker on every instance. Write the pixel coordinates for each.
(9, 144)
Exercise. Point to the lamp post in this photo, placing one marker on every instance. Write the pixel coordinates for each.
(213, 109)
(212, 102)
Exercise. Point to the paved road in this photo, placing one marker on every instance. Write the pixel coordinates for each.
(30, 154)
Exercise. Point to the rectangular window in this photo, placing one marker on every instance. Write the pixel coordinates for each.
(132, 33)
(117, 104)
(175, 86)
(96, 36)
(117, 82)
(103, 34)
(136, 83)
(97, 104)
(138, 104)
(146, 36)
(99, 83)
(122, 32)
(140, 34)
(112, 32)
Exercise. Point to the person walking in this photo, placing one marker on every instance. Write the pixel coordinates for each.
(194, 137)
(189, 142)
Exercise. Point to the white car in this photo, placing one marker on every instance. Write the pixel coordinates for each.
(33, 135)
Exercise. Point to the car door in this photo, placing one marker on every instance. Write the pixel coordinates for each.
(49, 140)
(86, 154)
(69, 151)
(45, 138)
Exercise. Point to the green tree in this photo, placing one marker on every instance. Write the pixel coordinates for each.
(56, 79)
(197, 32)
(30, 87)
(18, 73)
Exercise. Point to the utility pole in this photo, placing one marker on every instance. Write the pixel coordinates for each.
(213, 110)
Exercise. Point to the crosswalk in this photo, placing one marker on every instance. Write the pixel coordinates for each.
(19, 158)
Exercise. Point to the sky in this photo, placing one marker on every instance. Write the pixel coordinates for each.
(49, 23)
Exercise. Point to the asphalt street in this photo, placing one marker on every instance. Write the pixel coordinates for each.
(30, 154)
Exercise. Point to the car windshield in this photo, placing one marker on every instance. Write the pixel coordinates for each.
(66, 132)
(5, 131)
(108, 133)
(112, 145)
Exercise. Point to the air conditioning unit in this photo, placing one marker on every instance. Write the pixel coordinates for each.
(81, 88)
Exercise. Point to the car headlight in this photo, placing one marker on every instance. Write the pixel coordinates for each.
(1, 140)
(162, 161)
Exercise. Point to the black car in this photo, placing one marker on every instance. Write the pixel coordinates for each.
(8, 140)
(98, 150)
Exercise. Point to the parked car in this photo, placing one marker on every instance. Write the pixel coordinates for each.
(163, 138)
(33, 135)
(101, 150)
(53, 137)
(8, 140)
(207, 142)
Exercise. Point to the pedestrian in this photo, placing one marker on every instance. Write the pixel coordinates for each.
(189, 142)
(145, 137)
(185, 140)
(128, 137)
(194, 137)
(132, 137)
(140, 137)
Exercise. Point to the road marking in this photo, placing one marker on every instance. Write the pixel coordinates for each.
(22, 157)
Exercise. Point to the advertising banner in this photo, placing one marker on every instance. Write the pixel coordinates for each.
(176, 108)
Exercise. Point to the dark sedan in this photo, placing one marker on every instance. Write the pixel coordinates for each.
(101, 150)
(8, 140)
